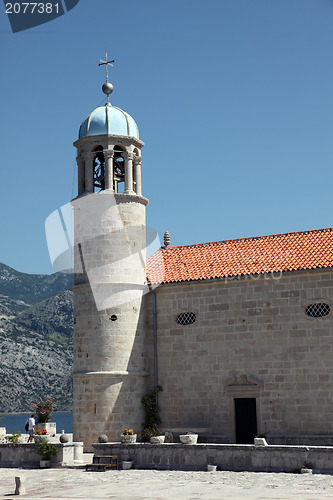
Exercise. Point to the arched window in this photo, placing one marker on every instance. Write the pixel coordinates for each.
(99, 168)
(134, 170)
(118, 170)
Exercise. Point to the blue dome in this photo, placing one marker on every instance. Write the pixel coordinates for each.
(108, 120)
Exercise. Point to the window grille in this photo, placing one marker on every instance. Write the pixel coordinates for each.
(317, 310)
(187, 318)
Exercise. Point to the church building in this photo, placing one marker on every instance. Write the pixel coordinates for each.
(238, 333)
(244, 337)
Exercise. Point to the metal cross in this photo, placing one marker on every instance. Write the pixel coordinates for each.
(107, 63)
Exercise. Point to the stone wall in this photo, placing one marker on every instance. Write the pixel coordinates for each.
(251, 339)
(68, 454)
(227, 457)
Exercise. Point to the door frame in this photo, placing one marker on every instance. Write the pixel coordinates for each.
(243, 426)
(243, 386)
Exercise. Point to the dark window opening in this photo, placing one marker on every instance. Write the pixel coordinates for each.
(317, 310)
(187, 318)
(118, 170)
(99, 169)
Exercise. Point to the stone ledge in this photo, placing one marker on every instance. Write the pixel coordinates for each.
(112, 374)
(18, 454)
(232, 457)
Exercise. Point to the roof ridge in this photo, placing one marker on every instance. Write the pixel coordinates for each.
(274, 235)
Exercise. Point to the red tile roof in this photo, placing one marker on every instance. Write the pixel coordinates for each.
(244, 256)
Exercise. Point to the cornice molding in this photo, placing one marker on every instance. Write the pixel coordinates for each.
(99, 138)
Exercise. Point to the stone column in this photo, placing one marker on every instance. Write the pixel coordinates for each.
(108, 155)
(78, 453)
(137, 164)
(89, 172)
(129, 173)
(80, 174)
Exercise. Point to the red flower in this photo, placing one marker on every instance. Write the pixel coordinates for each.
(128, 432)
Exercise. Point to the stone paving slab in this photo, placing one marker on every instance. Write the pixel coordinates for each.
(76, 483)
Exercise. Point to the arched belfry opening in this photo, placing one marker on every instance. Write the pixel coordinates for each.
(99, 169)
(118, 170)
(109, 167)
(135, 172)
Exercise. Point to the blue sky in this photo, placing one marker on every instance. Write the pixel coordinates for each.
(233, 99)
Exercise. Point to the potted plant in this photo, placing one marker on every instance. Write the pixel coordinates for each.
(42, 432)
(152, 435)
(146, 434)
(39, 433)
(156, 436)
(128, 436)
(152, 418)
(188, 438)
(47, 451)
(44, 410)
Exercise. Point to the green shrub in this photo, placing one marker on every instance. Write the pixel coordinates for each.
(13, 438)
(46, 449)
(152, 418)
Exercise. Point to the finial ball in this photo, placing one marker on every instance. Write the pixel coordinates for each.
(107, 88)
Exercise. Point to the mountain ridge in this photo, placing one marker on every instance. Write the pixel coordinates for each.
(36, 339)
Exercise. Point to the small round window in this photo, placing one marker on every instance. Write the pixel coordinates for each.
(317, 310)
(187, 318)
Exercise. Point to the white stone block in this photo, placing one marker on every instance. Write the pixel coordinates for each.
(260, 442)
(211, 468)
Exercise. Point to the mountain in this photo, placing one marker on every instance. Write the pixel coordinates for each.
(36, 339)
(32, 288)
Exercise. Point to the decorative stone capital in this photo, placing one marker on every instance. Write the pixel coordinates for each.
(108, 153)
(129, 156)
(137, 160)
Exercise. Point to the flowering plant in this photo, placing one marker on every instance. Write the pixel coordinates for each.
(127, 432)
(148, 432)
(41, 433)
(44, 411)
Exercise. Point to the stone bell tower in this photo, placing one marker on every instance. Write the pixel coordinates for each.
(109, 369)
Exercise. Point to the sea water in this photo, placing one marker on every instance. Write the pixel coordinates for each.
(15, 422)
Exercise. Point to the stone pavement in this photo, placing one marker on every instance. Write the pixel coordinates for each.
(76, 483)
